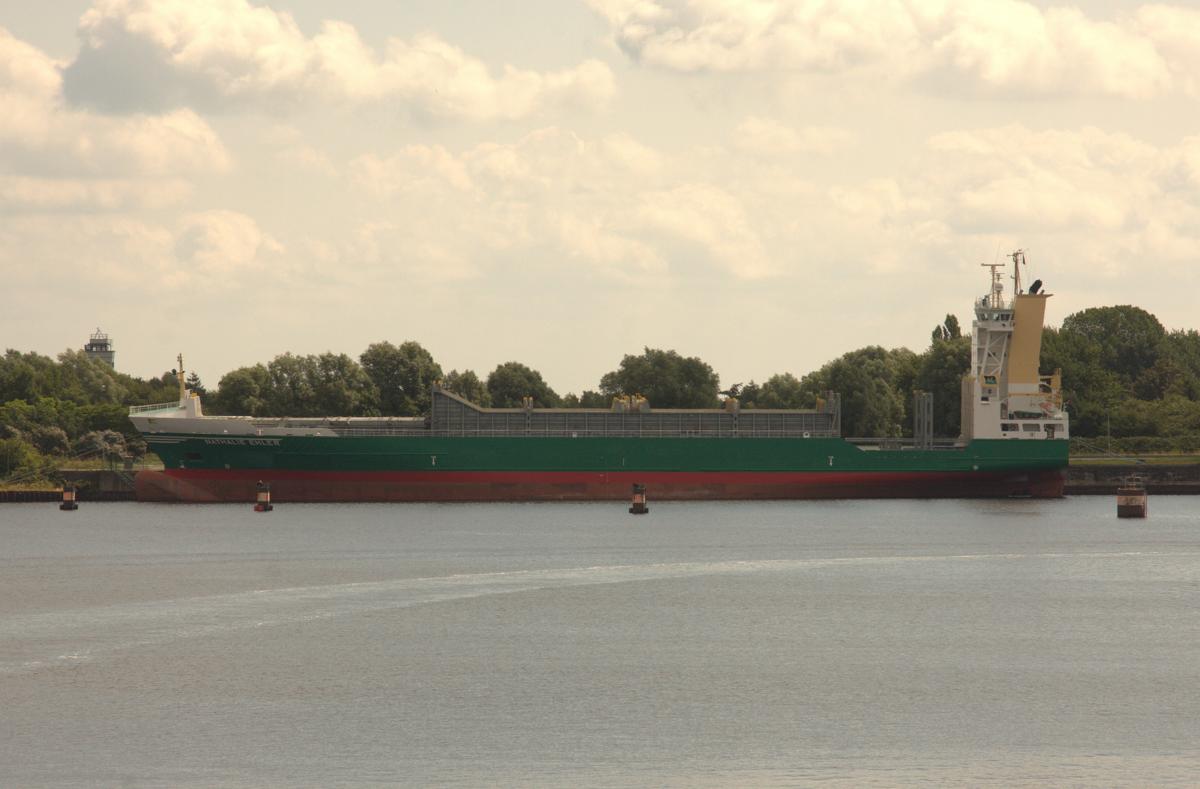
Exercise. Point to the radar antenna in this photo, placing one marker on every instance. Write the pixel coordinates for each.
(994, 298)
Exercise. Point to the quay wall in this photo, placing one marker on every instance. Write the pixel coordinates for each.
(1085, 480)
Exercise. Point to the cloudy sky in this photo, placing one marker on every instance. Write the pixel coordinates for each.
(765, 184)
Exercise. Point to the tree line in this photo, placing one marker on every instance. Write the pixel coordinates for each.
(74, 405)
(1126, 380)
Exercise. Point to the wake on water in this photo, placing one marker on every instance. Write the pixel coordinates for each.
(36, 641)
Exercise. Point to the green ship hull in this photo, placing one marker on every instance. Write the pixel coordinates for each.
(447, 468)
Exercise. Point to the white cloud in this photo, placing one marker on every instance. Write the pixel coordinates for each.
(1175, 32)
(1000, 46)
(307, 158)
(202, 251)
(1012, 46)
(158, 54)
(409, 251)
(1061, 181)
(704, 221)
(20, 194)
(1090, 202)
(56, 158)
(89, 253)
(554, 200)
(701, 35)
(219, 242)
(575, 220)
(27, 76)
(770, 137)
(415, 169)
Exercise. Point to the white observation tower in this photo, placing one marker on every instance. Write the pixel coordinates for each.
(100, 347)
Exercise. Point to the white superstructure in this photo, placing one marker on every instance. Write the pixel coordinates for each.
(1004, 395)
(164, 423)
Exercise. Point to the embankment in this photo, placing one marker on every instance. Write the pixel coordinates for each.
(90, 486)
(1084, 480)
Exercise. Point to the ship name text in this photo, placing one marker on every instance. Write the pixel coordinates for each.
(252, 442)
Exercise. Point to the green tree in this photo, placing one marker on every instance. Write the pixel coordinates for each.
(875, 386)
(194, 383)
(18, 377)
(665, 378)
(341, 387)
(1176, 415)
(291, 388)
(102, 416)
(88, 380)
(404, 376)
(163, 389)
(1182, 350)
(244, 391)
(1129, 338)
(591, 399)
(17, 417)
(1156, 382)
(941, 371)
(782, 390)
(588, 399)
(749, 395)
(948, 329)
(467, 385)
(1091, 389)
(329, 384)
(50, 440)
(18, 459)
(106, 444)
(512, 381)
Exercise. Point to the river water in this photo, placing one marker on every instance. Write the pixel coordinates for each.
(864, 643)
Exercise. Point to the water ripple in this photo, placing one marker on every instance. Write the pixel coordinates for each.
(33, 642)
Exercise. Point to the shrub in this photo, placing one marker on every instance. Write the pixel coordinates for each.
(50, 440)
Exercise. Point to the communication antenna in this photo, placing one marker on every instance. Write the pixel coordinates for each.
(1018, 259)
(182, 376)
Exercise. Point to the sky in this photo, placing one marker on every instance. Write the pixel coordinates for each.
(764, 184)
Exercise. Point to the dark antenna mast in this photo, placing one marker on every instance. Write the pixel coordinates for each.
(1018, 259)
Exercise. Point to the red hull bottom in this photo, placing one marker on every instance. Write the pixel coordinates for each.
(197, 486)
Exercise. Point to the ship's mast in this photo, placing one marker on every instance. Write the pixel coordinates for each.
(1018, 259)
(182, 375)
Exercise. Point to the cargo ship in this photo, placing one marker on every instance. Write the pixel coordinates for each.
(1014, 442)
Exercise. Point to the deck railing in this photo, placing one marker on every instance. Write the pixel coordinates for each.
(581, 433)
(139, 409)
